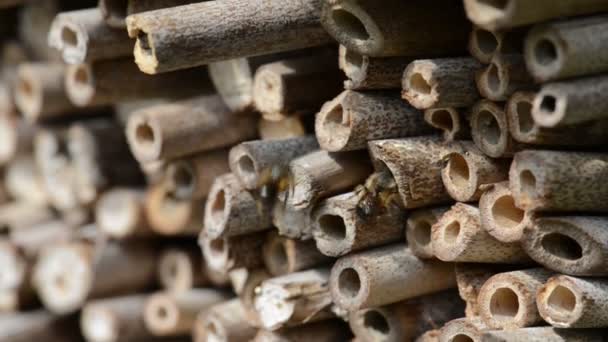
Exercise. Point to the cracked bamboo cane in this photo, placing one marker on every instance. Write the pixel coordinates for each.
(353, 118)
(161, 47)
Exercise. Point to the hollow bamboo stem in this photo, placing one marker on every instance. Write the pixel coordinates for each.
(386, 275)
(39, 325)
(568, 102)
(404, 158)
(494, 15)
(261, 162)
(442, 82)
(294, 299)
(570, 302)
(226, 321)
(543, 334)
(119, 213)
(490, 130)
(364, 72)
(323, 331)
(500, 217)
(340, 226)
(117, 80)
(289, 127)
(283, 255)
(169, 216)
(190, 178)
(463, 329)
(458, 236)
(559, 181)
(232, 210)
(450, 120)
(524, 129)
(406, 320)
(225, 254)
(174, 314)
(508, 300)
(505, 75)
(321, 174)
(23, 181)
(485, 44)
(161, 47)
(573, 245)
(181, 268)
(297, 85)
(115, 12)
(206, 124)
(470, 277)
(418, 230)
(83, 36)
(466, 174)
(380, 30)
(289, 221)
(352, 118)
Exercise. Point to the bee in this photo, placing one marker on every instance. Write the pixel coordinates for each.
(376, 195)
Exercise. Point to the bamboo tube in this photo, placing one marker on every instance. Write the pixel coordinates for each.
(296, 85)
(289, 221)
(418, 230)
(470, 277)
(226, 254)
(364, 72)
(232, 210)
(508, 300)
(115, 319)
(289, 127)
(442, 82)
(207, 124)
(429, 336)
(169, 216)
(16, 215)
(181, 268)
(250, 280)
(283, 255)
(490, 130)
(33, 238)
(115, 12)
(384, 30)
(524, 129)
(573, 245)
(559, 181)
(548, 334)
(569, 102)
(174, 314)
(499, 215)
(494, 15)
(35, 18)
(404, 158)
(16, 136)
(505, 75)
(341, 227)
(485, 44)
(38, 325)
(119, 213)
(569, 302)
(161, 47)
(23, 182)
(225, 322)
(565, 49)
(466, 174)
(323, 331)
(463, 330)
(117, 80)
(190, 178)
(39, 92)
(82, 36)
(261, 162)
(459, 237)
(450, 121)
(352, 118)
(15, 277)
(321, 174)
(294, 299)
(386, 275)
(68, 274)
(406, 320)
(97, 164)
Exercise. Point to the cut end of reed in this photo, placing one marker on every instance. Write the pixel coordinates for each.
(419, 88)
(505, 213)
(331, 233)
(493, 81)
(214, 330)
(217, 209)
(489, 14)
(483, 44)
(114, 12)
(161, 315)
(28, 94)
(348, 286)
(442, 118)
(99, 324)
(167, 215)
(244, 167)
(543, 53)
(418, 234)
(215, 252)
(269, 92)
(175, 271)
(144, 139)
(9, 139)
(353, 27)
(375, 321)
(13, 267)
(276, 256)
(233, 80)
(489, 129)
(118, 211)
(332, 125)
(519, 113)
(73, 44)
(548, 108)
(144, 51)
(181, 179)
(80, 84)
(354, 66)
(559, 302)
(459, 179)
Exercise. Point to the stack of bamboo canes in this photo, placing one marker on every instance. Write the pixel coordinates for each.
(303, 170)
